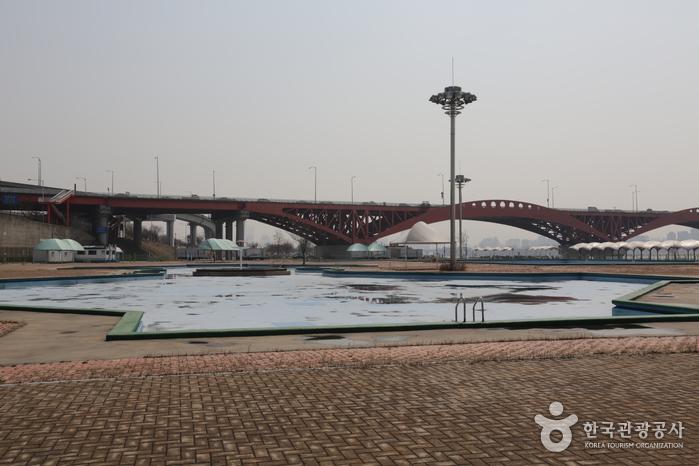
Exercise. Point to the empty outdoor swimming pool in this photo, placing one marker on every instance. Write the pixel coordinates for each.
(183, 302)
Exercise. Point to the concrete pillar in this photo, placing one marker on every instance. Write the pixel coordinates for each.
(229, 230)
(239, 231)
(170, 226)
(192, 234)
(138, 232)
(102, 225)
(219, 229)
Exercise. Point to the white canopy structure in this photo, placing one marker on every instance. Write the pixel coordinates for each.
(215, 244)
(422, 233)
(671, 246)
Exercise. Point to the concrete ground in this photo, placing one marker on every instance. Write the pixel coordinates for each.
(429, 397)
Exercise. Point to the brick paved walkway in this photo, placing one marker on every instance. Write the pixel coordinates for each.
(356, 412)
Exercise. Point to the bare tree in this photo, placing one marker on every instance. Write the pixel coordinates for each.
(302, 244)
(278, 240)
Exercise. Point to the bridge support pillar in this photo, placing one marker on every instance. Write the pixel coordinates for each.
(192, 234)
(219, 230)
(229, 230)
(138, 232)
(240, 231)
(240, 227)
(170, 227)
(102, 225)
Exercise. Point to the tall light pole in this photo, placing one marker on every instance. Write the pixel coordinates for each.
(39, 175)
(548, 191)
(460, 181)
(352, 183)
(634, 197)
(315, 183)
(553, 204)
(84, 179)
(452, 101)
(214, 179)
(442, 175)
(157, 176)
(41, 183)
(112, 172)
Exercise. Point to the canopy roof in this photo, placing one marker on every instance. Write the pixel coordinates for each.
(357, 247)
(217, 244)
(632, 245)
(55, 244)
(376, 247)
(422, 233)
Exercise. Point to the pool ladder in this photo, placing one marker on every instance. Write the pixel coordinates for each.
(462, 300)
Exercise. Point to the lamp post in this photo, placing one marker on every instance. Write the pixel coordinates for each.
(315, 183)
(112, 172)
(213, 175)
(39, 175)
(452, 101)
(634, 198)
(157, 177)
(84, 180)
(460, 181)
(442, 175)
(352, 187)
(553, 204)
(41, 183)
(547, 192)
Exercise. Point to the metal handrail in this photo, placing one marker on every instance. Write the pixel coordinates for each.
(462, 300)
(482, 309)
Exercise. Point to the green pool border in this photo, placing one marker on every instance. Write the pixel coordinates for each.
(629, 301)
(130, 321)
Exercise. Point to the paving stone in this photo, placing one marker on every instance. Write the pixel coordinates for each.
(448, 413)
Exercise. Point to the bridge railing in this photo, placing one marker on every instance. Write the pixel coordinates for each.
(245, 199)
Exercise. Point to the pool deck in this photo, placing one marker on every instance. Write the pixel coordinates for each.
(67, 396)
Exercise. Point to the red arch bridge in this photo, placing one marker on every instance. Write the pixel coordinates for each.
(336, 223)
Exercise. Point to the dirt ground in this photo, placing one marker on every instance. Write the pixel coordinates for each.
(30, 270)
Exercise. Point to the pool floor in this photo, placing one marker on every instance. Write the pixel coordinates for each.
(183, 302)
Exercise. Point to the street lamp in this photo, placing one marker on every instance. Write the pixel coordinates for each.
(157, 176)
(41, 183)
(214, 178)
(315, 183)
(84, 180)
(112, 172)
(548, 191)
(553, 204)
(460, 181)
(452, 101)
(352, 183)
(39, 177)
(442, 175)
(634, 198)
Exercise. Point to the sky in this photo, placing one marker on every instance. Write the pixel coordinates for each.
(597, 97)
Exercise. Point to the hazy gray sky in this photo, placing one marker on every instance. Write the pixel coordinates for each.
(594, 96)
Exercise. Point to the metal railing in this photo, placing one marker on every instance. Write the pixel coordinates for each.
(461, 300)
